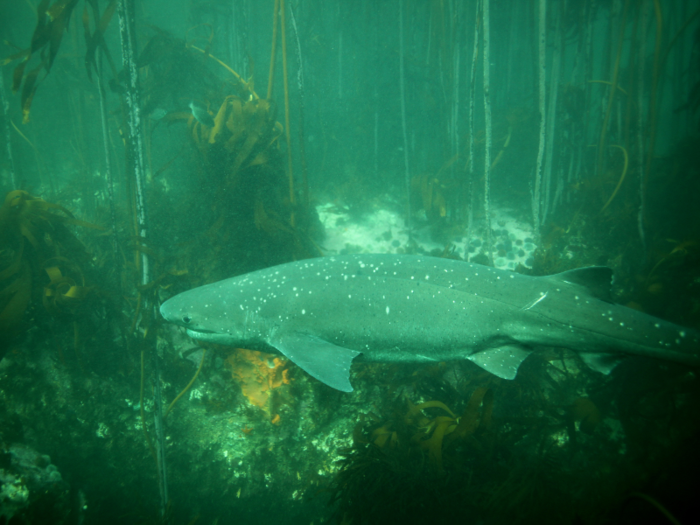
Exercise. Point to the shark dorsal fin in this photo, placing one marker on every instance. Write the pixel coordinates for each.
(595, 280)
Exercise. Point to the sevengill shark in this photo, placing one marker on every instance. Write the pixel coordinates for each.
(322, 313)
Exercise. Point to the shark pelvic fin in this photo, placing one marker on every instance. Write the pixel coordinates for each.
(603, 363)
(502, 361)
(325, 361)
(594, 280)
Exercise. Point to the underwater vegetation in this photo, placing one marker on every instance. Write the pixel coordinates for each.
(245, 217)
(53, 20)
(244, 178)
(432, 195)
(398, 467)
(174, 74)
(242, 137)
(532, 450)
(43, 266)
(233, 143)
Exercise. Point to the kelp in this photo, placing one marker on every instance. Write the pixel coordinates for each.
(244, 203)
(15, 295)
(52, 22)
(407, 465)
(246, 130)
(41, 261)
(172, 71)
(184, 390)
(96, 39)
(63, 292)
(622, 176)
(243, 168)
(431, 192)
(440, 432)
(434, 433)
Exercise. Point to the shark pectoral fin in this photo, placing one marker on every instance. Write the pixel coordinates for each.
(325, 361)
(603, 363)
(502, 361)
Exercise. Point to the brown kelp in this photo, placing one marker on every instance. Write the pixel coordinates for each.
(43, 262)
(52, 22)
(242, 159)
(404, 465)
(245, 198)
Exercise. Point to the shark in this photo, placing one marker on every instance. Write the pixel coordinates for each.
(324, 313)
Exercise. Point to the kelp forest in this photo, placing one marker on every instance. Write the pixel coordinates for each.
(153, 147)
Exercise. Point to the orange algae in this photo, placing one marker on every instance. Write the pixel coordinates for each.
(258, 373)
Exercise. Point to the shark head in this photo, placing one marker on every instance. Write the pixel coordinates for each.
(248, 312)
(212, 316)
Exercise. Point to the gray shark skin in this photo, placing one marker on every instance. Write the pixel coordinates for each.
(322, 313)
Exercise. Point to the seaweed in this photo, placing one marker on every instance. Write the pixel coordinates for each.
(42, 262)
(248, 218)
(397, 469)
(52, 22)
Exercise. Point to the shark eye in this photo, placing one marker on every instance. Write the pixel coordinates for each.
(186, 319)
